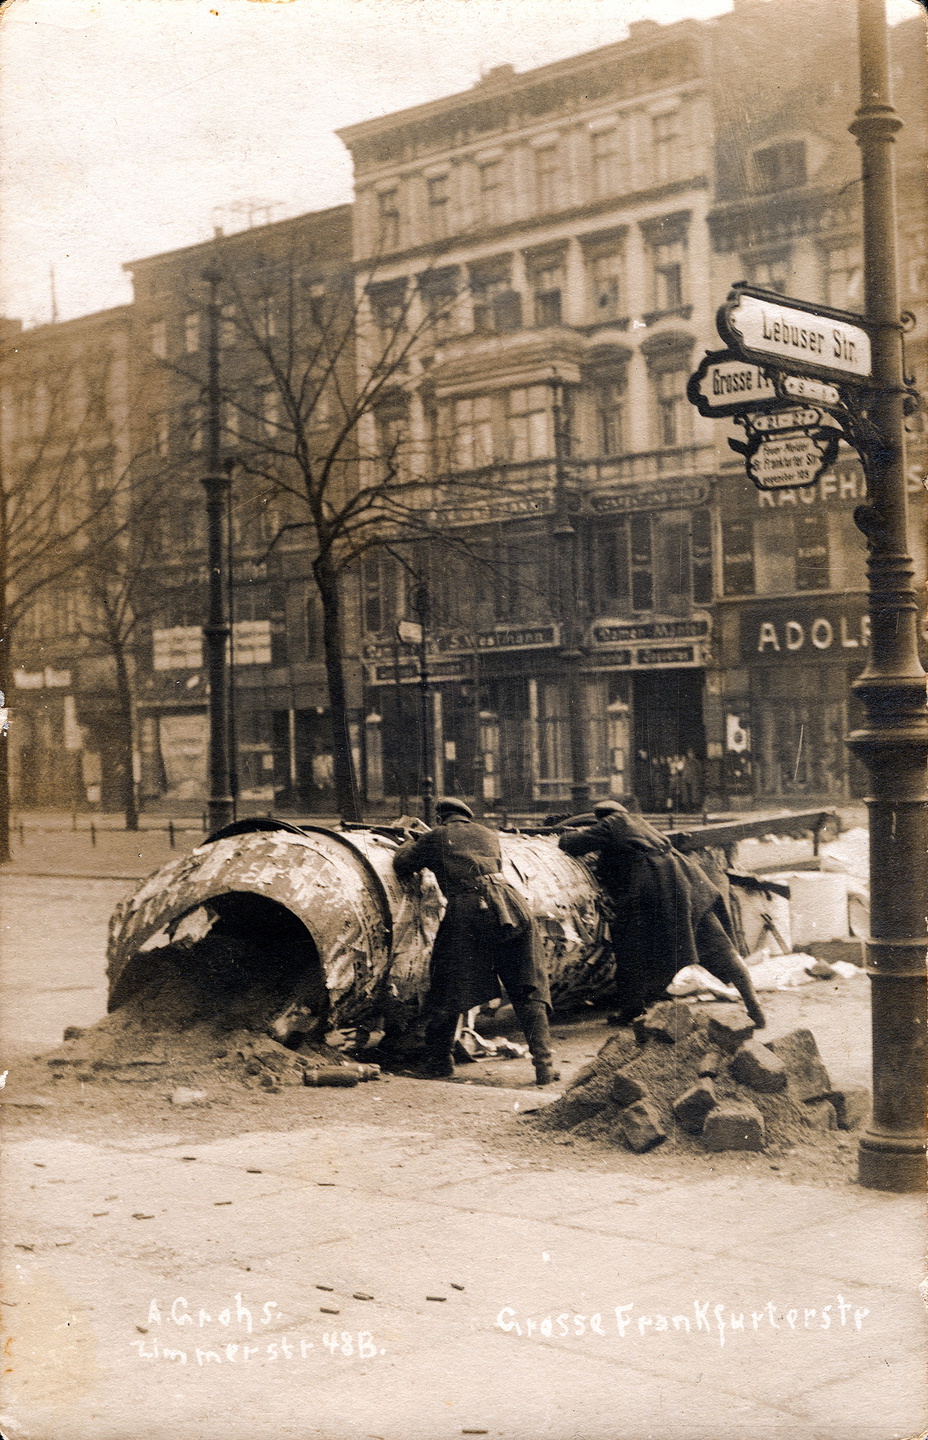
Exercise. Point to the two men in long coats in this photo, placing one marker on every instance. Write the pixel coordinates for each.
(668, 914)
(487, 935)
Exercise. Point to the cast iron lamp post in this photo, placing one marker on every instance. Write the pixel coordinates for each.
(568, 611)
(220, 805)
(893, 742)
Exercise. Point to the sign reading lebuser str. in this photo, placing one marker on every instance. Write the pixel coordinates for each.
(762, 327)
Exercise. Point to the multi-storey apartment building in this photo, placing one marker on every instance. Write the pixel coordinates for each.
(66, 458)
(563, 212)
(267, 282)
(791, 615)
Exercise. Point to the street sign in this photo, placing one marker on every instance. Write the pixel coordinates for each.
(788, 461)
(790, 335)
(409, 631)
(802, 387)
(724, 384)
(796, 418)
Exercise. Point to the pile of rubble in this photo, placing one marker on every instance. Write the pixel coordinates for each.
(697, 1077)
(193, 1027)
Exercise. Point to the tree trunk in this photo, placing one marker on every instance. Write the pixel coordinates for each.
(5, 679)
(125, 716)
(346, 790)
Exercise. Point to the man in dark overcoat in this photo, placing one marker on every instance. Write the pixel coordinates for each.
(668, 913)
(487, 935)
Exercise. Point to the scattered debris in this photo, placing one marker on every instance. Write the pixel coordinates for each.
(182, 1096)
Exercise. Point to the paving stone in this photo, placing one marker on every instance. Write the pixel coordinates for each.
(640, 1127)
(852, 1106)
(625, 1090)
(693, 1106)
(729, 1027)
(822, 1114)
(619, 1049)
(668, 1021)
(582, 1076)
(756, 1066)
(808, 1078)
(734, 1127)
(711, 1063)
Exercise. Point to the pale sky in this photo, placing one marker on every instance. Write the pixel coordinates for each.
(125, 123)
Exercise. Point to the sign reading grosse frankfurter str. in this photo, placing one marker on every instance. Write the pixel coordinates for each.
(766, 330)
(723, 384)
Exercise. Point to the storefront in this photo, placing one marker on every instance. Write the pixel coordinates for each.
(793, 635)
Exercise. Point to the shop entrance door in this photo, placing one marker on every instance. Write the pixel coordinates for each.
(670, 742)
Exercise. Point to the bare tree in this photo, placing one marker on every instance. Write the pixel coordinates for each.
(316, 380)
(64, 487)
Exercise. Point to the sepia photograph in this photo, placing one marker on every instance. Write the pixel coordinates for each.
(463, 640)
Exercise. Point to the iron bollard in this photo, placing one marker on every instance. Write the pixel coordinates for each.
(203, 821)
(73, 819)
(22, 834)
(171, 833)
(93, 833)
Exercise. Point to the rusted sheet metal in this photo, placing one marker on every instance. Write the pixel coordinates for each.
(372, 934)
(319, 878)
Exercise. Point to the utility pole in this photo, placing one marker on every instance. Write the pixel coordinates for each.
(568, 606)
(220, 805)
(893, 742)
(420, 604)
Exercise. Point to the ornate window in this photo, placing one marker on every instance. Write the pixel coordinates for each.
(491, 192)
(472, 441)
(192, 332)
(844, 277)
(547, 177)
(388, 216)
(547, 288)
(528, 420)
(608, 167)
(665, 141)
(437, 192)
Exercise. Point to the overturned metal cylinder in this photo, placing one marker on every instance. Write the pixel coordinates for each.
(323, 910)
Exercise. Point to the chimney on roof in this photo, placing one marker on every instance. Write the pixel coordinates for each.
(497, 75)
(643, 29)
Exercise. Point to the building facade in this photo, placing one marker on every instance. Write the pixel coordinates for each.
(66, 458)
(580, 593)
(564, 213)
(791, 613)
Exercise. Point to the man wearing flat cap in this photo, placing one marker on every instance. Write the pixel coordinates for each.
(487, 935)
(668, 913)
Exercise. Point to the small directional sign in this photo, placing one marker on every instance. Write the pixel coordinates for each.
(787, 461)
(803, 387)
(814, 340)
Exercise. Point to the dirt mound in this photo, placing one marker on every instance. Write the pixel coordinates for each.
(197, 1025)
(628, 1094)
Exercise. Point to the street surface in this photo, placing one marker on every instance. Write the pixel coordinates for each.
(521, 1284)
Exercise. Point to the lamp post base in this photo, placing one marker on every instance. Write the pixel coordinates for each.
(891, 1163)
(220, 813)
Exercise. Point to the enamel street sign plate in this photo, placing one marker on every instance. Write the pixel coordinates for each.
(789, 335)
(791, 460)
(724, 384)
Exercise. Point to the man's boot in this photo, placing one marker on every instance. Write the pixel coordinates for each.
(437, 1061)
(533, 1017)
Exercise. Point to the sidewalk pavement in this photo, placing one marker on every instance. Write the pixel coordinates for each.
(366, 1271)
